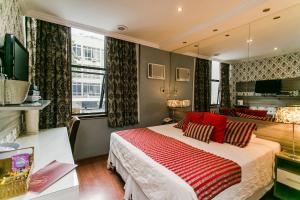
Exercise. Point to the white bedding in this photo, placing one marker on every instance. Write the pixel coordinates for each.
(157, 182)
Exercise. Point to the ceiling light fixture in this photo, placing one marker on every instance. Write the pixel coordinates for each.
(179, 9)
(122, 27)
(227, 35)
(215, 30)
(275, 48)
(184, 42)
(249, 40)
(277, 17)
(196, 46)
(266, 10)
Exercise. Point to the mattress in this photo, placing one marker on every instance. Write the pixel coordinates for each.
(157, 182)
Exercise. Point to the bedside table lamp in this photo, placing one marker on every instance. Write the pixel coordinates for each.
(174, 104)
(289, 115)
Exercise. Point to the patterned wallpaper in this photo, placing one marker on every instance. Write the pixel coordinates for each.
(11, 18)
(265, 68)
(10, 22)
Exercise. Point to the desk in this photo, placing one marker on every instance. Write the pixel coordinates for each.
(51, 144)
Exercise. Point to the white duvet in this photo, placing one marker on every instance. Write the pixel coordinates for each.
(158, 183)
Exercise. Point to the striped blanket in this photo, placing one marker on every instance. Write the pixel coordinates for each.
(206, 173)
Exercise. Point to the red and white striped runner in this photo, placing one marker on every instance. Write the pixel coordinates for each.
(206, 173)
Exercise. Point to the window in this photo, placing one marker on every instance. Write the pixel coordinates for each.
(215, 82)
(88, 73)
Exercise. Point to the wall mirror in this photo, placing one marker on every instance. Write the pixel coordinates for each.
(267, 49)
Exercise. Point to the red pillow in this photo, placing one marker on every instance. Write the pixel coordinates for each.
(195, 117)
(219, 122)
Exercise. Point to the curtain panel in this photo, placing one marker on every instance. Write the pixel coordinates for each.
(225, 90)
(202, 85)
(121, 64)
(49, 46)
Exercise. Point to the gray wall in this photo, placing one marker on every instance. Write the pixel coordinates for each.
(94, 134)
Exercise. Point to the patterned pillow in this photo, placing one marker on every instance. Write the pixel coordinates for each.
(242, 115)
(239, 133)
(180, 124)
(199, 131)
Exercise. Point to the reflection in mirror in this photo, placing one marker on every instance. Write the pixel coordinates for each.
(264, 76)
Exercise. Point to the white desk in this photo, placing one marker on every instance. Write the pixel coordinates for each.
(52, 144)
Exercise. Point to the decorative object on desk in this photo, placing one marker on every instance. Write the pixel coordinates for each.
(289, 115)
(182, 74)
(45, 177)
(15, 169)
(33, 94)
(174, 104)
(14, 91)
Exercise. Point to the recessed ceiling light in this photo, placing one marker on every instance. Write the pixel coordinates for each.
(179, 9)
(249, 40)
(275, 48)
(227, 35)
(266, 9)
(122, 27)
(196, 46)
(184, 42)
(277, 17)
(216, 54)
(215, 30)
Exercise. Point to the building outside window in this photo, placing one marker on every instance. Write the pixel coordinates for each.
(215, 83)
(88, 73)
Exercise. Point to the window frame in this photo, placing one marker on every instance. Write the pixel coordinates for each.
(92, 114)
(218, 81)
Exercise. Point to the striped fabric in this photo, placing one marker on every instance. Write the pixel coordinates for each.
(242, 115)
(239, 133)
(206, 173)
(199, 131)
(180, 124)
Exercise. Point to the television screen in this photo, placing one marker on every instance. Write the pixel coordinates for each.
(16, 59)
(268, 86)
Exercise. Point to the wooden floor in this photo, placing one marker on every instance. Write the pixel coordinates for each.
(96, 182)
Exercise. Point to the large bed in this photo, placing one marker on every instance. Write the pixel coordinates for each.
(146, 179)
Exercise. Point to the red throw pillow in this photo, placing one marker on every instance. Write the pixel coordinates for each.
(219, 122)
(195, 117)
(239, 133)
(199, 131)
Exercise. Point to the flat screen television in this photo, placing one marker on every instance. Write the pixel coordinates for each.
(268, 86)
(15, 59)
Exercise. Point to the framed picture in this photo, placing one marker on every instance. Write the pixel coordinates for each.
(182, 74)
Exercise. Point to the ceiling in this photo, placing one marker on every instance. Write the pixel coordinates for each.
(270, 37)
(155, 23)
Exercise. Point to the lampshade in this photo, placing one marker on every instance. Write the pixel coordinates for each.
(289, 114)
(173, 103)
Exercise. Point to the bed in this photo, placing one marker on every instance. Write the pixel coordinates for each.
(146, 179)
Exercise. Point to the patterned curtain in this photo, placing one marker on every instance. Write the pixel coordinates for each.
(49, 46)
(225, 91)
(121, 67)
(202, 85)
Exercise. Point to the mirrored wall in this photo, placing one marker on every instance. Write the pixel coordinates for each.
(265, 50)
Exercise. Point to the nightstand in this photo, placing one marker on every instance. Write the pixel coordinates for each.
(287, 182)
